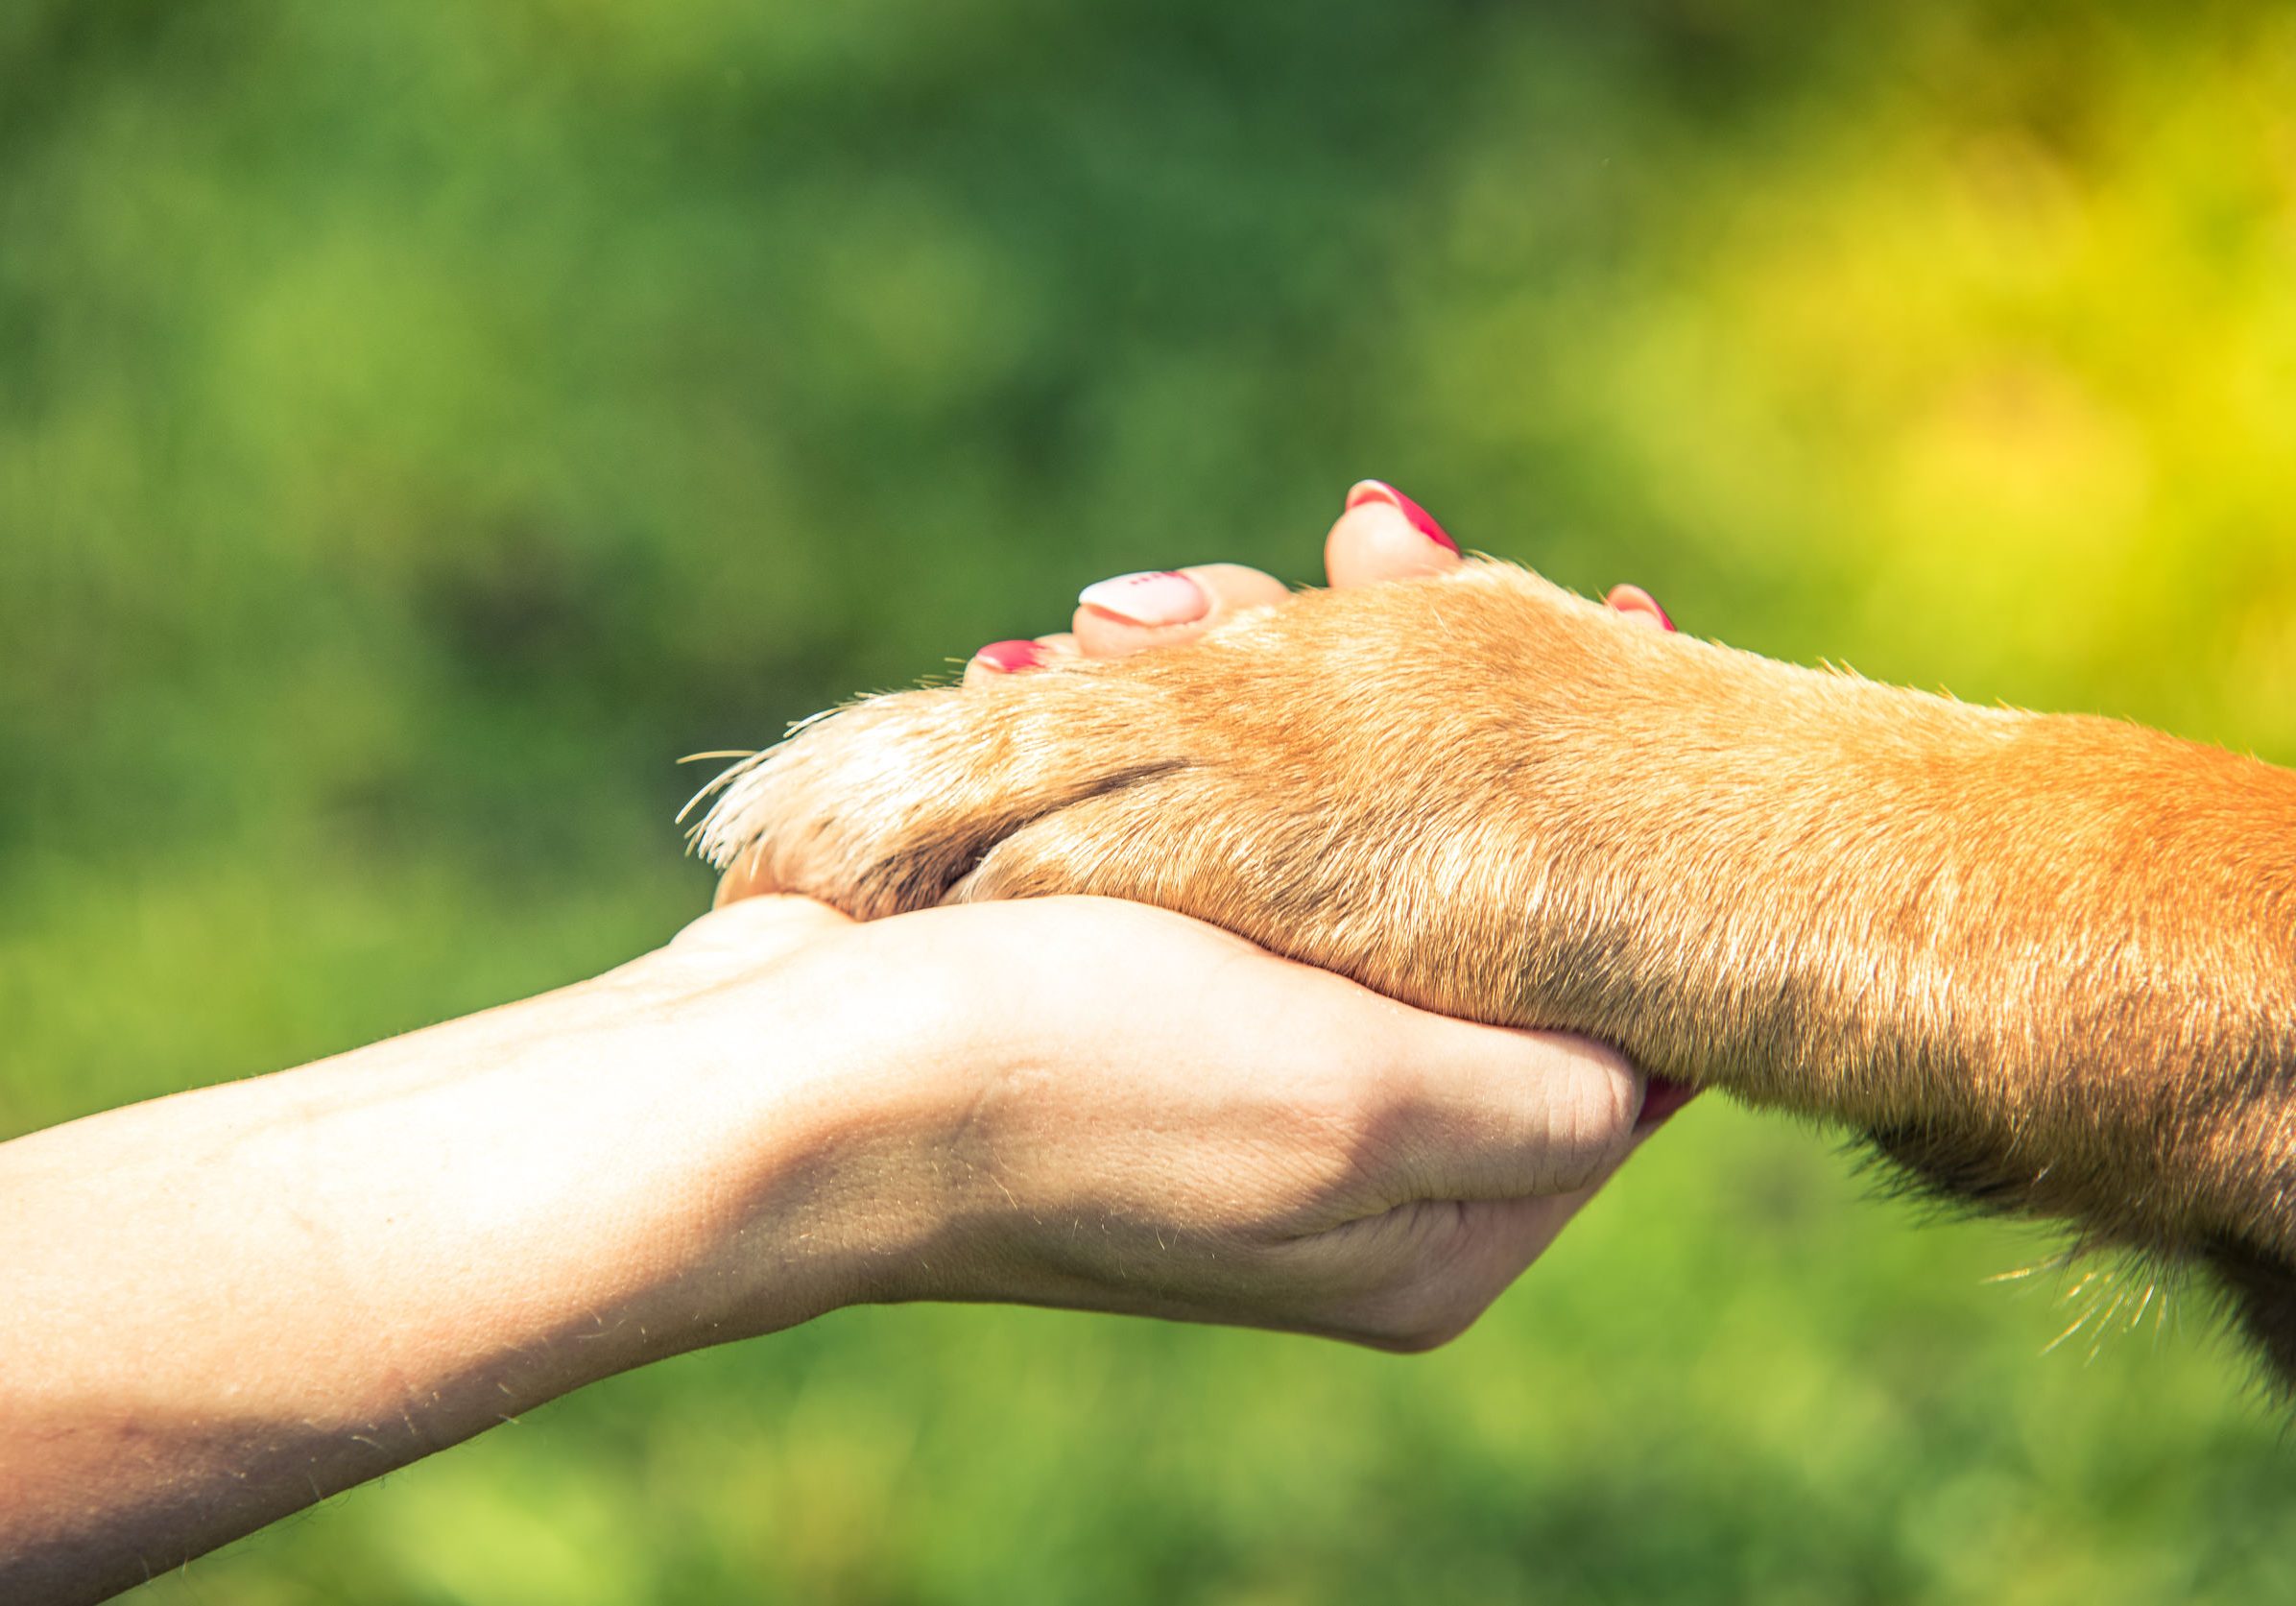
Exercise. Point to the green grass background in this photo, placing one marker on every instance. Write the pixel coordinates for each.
(421, 424)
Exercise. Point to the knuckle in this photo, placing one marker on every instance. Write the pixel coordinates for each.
(1589, 1121)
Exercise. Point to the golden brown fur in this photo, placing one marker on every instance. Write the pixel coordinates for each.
(2047, 963)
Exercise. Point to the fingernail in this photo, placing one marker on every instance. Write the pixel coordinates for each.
(1379, 490)
(1157, 597)
(1011, 656)
(1616, 591)
(1661, 1097)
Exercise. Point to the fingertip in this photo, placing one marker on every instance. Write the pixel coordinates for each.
(1638, 605)
(999, 658)
(1131, 613)
(1009, 657)
(1150, 599)
(1375, 540)
(1367, 491)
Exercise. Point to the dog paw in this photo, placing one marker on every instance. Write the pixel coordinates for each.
(1336, 778)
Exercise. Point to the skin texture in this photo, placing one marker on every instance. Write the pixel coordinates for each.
(2048, 964)
(220, 1306)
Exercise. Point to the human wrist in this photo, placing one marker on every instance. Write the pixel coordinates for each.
(821, 1100)
(614, 1173)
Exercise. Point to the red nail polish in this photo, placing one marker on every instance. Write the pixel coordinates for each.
(1011, 656)
(1662, 1096)
(1379, 490)
(1665, 619)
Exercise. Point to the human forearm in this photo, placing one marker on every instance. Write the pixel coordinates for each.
(217, 1307)
(220, 1306)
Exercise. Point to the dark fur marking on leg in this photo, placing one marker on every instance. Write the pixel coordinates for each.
(932, 863)
(1943, 1168)
(2262, 1290)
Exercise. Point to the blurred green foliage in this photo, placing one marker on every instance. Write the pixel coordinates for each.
(419, 425)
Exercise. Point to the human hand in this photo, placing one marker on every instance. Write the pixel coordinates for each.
(1100, 1105)
(231, 1303)
(1210, 1132)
